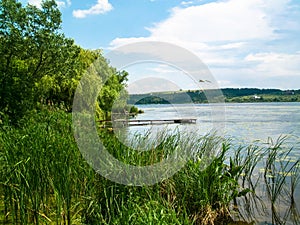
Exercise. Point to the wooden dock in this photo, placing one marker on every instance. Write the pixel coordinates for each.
(132, 122)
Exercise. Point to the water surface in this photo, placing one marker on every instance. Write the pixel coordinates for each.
(244, 123)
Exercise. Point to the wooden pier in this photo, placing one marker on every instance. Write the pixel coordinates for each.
(132, 122)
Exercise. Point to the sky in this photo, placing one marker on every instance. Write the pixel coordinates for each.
(244, 43)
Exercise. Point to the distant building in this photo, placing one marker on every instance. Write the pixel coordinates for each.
(256, 97)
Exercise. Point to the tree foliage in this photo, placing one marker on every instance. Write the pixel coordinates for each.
(39, 65)
(32, 48)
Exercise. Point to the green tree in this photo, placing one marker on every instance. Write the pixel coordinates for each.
(113, 93)
(110, 82)
(39, 65)
(60, 87)
(33, 52)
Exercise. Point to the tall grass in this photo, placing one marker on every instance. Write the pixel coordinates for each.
(272, 174)
(40, 166)
(45, 180)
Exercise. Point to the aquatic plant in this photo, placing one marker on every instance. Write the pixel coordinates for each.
(45, 180)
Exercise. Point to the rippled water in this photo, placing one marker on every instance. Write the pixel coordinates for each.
(242, 122)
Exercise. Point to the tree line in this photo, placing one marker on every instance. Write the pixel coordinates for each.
(229, 95)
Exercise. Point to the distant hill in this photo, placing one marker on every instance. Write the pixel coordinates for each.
(229, 95)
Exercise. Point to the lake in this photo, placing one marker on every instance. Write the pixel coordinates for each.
(245, 122)
(242, 122)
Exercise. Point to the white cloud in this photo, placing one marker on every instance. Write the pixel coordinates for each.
(63, 4)
(233, 20)
(218, 54)
(263, 70)
(60, 3)
(153, 77)
(35, 2)
(151, 84)
(251, 77)
(123, 41)
(163, 69)
(243, 42)
(276, 64)
(101, 7)
(186, 3)
(230, 24)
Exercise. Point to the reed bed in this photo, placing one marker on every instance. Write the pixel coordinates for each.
(45, 180)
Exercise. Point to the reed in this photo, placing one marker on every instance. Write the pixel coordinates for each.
(278, 169)
(45, 180)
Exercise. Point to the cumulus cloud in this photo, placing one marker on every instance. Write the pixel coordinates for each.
(243, 42)
(209, 28)
(233, 20)
(101, 7)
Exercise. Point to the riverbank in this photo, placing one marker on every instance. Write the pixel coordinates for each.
(44, 178)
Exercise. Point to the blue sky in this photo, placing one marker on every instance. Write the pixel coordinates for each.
(244, 43)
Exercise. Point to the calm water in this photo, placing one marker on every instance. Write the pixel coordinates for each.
(243, 123)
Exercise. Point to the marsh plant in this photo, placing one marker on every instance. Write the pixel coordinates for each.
(271, 172)
(45, 180)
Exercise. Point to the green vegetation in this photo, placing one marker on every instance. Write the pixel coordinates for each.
(135, 110)
(40, 66)
(45, 180)
(261, 95)
(229, 95)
